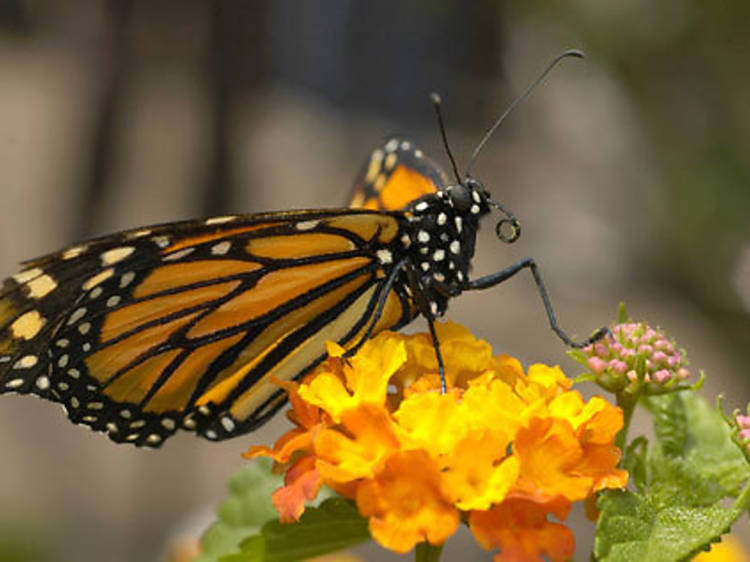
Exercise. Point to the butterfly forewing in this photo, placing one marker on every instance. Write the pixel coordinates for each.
(188, 324)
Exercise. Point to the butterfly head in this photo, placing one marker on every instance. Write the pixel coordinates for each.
(470, 198)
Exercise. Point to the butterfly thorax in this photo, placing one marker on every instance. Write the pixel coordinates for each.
(441, 237)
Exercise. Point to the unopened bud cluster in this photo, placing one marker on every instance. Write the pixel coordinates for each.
(742, 435)
(636, 355)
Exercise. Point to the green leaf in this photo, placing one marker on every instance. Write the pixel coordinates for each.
(622, 316)
(631, 528)
(334, 525)
(690, 468)
(670, 422)
(634, 461)
(426, 552)
(243, 513)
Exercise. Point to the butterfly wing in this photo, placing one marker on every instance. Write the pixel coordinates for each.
(395, 174)
(187, 324)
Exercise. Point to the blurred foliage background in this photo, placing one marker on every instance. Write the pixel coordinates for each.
(629, 170)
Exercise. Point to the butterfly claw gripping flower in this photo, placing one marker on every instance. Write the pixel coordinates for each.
(501, 449)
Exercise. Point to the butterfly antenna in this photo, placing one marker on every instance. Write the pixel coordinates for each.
(436, 102)
(519, 99)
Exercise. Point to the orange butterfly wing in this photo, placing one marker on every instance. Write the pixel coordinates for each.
(395, 174)
(187, 324)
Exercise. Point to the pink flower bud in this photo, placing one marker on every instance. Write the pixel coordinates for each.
(596, 364)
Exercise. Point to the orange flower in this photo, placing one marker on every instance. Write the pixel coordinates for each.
(519, 527)
(501, 448)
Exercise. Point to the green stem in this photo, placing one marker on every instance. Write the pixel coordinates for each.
(742, 502)
(426, 552)
(626, 402)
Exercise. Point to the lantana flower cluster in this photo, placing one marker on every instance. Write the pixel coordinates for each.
(638, 357)
(501, 450)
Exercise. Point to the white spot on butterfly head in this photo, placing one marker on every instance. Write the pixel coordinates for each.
(439, 255)
(455, 247)
(475, 209)
(442, 218)
(423, 236)
(422, 206)
(391, 145)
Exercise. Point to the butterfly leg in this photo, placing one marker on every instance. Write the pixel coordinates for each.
(528, 263)
(379, 307)
(424, 308)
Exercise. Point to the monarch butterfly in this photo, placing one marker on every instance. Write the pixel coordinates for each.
(184, 325)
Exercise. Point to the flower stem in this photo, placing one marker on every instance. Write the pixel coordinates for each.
(742, 503)
(426, 552)
(626, 402)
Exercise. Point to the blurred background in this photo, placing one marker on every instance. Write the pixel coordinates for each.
(629, 170)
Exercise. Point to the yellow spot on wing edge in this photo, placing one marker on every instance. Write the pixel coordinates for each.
(27, 325)
(73, 252)
(27, 275)
(41, 286)
(98, 279)
(115, 255)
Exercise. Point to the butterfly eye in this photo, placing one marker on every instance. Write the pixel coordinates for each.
(461, 197)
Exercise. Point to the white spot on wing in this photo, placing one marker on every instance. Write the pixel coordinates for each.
(221, 248)
(126, 279)
(116, 255)
(179, 254)
(439, 255)
(227, 423)
(384, 255)
(15, 383)
(97, 279)
(219, 220)
(26, 362)
(307, 225)
(77, 315)
(42, 383)
(455, 247)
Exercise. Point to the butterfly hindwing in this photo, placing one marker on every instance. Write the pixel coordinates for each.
(188, 324)
(396, 173)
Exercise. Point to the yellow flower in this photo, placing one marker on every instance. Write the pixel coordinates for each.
(501, 449)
